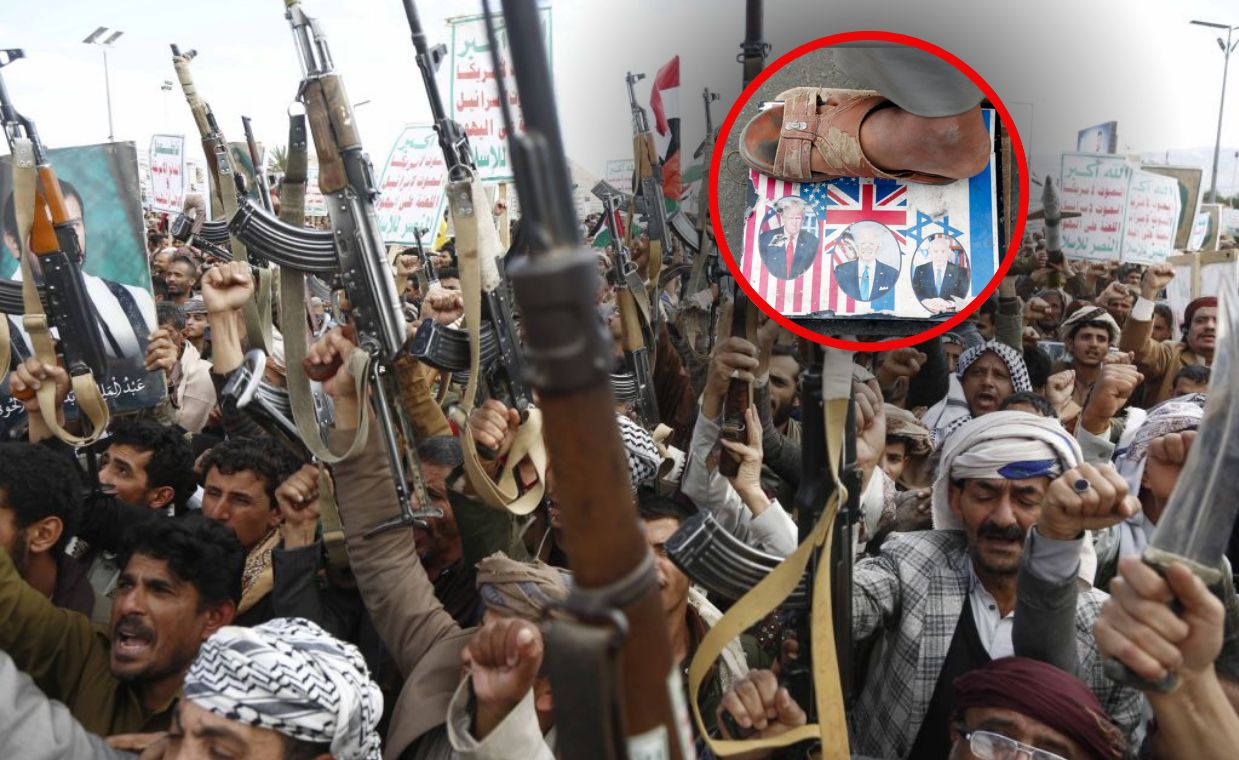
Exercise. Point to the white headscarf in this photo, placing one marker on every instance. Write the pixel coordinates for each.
(294, 678)
(1005, 444)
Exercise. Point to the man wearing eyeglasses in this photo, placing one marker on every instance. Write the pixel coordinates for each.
(1019, 708)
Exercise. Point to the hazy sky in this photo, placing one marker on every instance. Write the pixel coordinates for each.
(1061, 64)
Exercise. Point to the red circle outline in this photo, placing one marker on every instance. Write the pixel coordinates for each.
(1017, 148)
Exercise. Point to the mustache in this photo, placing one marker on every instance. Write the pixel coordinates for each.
(132, 625)
(1010, 532)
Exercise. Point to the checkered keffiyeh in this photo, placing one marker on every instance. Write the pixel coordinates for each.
(290, 676)
(1089, 314)
(642, 452)
(1012, 358)
(1173, 416)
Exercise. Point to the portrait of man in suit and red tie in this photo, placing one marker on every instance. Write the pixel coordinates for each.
(944, 277)
(791, 248)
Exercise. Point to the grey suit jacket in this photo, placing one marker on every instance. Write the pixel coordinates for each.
(908, 601)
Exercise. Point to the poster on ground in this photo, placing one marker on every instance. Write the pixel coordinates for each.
(100, 185)
(413, 187)
(872, 247)
(473, 95)
(167, 168)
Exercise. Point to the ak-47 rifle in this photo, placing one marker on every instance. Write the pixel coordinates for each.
(700, 323)
(257, 312)
(613, 607)
(354, 248)
(260, 172)
(636, 385)
(42, 215)
(427, 276)
(443, 347)
(648, 191)
(488, 349)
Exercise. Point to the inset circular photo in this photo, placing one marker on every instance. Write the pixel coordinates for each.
(869, 186)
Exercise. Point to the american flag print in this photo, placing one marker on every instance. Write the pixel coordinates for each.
(965, 210)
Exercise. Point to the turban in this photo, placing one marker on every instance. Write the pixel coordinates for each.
(643, 457)
(1046, 694)
(1009, 444)
(294, 678)
(1089, 314)
(195, 305)
(1193, 306)
(519, 589)
(1172, 416)
(1012, 358)
(902, 424)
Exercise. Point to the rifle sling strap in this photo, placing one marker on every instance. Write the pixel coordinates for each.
(476, 237)
(90, 401)
(292, 317)
(831, 728)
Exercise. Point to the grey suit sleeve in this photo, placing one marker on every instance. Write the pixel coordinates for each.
(35, 727)
(1045, 605)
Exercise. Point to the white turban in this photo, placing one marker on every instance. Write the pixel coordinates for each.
(1009, 444)
(294, 678)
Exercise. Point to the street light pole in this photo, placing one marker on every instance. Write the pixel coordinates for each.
(94, 39)
(1227, 48)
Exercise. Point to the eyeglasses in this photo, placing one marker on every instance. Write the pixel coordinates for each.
(987, 745)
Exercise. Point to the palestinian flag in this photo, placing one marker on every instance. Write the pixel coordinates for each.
(665, 103)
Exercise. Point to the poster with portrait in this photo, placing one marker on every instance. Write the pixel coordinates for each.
(1102, 138)
(1189, 179)
(100, 185)
(854, 247)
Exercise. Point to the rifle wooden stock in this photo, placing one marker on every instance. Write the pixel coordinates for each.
(331, 136)
(569, 350)
(630, 321)
(49, 212)
(739, 395)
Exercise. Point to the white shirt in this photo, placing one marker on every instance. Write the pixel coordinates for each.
(110, 314)
(1048, 559)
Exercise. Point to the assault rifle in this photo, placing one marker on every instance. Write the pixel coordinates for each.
(427, 276)
(501, 367)
(182, 232)
(260, 172)
(700, 323)
(636, 385)
(648, 189)
(612, 613)
(354, 248)
(62, 301)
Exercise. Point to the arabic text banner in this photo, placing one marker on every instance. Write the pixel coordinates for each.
(474, 97)
(167, 168)
(413, 188)
(1126, 214)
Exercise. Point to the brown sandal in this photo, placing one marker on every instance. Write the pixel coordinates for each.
(780, 140)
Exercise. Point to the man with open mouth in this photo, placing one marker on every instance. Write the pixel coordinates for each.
(180, 584)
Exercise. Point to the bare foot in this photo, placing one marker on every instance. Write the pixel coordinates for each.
(949, 146)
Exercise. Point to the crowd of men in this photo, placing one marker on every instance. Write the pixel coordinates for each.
(186, 601)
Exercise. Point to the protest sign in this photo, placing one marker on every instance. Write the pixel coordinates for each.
(167, 168)
(315, 201)
(1152, 218)
(100, 185)
(473, 96)
(1189, 179)
(872, 247)
(1096, 186)
(413, 188)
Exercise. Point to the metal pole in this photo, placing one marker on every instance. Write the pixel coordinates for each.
(107, 88)
(1221, 109)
